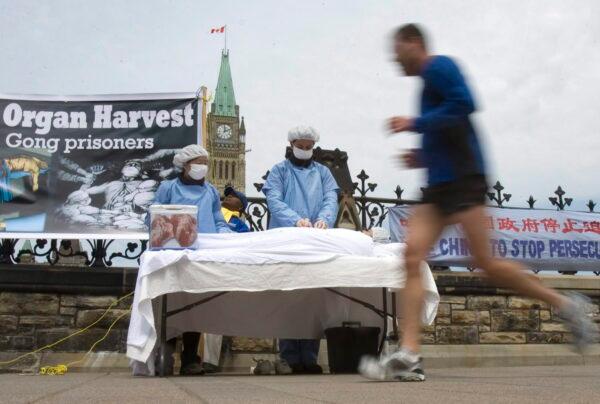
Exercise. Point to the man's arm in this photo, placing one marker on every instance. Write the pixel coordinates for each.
(273, 190)
(329, 209)
(98, 189)
(457, 101)
(161, 197)
(412, 158)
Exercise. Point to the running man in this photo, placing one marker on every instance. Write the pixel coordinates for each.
(455, 194)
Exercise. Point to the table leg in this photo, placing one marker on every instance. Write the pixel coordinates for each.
(163, 336)
(385, 320)
(395, 315)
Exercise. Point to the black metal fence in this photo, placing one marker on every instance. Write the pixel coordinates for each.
(372, 212)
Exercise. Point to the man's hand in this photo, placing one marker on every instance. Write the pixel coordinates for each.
(410, 159)
(320, 224)
(303, 223)
(399, 124)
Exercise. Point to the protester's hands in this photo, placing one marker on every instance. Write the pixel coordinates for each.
(399, 124)
(320, 224)
(303, 223)
(368, 233)
(410, 159)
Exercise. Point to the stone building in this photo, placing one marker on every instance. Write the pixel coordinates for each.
(226, 137)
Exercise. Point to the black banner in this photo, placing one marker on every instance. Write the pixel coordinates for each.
(88, 165)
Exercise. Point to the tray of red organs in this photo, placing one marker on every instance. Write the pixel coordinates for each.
(173, 226)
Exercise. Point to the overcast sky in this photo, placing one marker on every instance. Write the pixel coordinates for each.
(534, 67)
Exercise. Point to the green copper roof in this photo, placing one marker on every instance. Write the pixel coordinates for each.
(224, 103)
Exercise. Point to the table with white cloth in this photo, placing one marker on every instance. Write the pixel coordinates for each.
(284, 283)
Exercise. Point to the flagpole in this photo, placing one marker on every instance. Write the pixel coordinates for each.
(205, 99)
(225, 38)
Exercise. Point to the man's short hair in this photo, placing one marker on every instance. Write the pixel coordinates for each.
(410, 32)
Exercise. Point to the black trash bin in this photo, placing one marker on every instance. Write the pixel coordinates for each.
(348, 343)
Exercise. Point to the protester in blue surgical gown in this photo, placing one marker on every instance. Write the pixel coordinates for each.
(192, 188)
(303, 193)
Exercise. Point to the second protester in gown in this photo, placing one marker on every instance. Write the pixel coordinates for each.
(192, 188)
(301, 193)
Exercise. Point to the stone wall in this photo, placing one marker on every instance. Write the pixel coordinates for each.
(470, 312)
(507, 319)
(32, 320)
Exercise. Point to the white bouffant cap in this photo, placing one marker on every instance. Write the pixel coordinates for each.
(188, 153)
(303, 132)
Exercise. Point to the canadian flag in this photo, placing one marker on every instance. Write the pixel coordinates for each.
(218, 30)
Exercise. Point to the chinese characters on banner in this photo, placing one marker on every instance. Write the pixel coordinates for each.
(542, 239)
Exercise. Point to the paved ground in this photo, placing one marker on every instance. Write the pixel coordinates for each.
(569, 384)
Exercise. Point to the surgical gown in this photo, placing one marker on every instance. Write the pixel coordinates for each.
(295, 193)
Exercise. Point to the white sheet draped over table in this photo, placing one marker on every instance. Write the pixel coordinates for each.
(276, 280)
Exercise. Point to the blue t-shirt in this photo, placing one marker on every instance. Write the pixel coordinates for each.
(450, 149)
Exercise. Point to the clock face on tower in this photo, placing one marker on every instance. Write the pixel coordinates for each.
(224, 132)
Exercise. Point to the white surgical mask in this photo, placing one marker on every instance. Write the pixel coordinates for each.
(197, 171)
(302, 154)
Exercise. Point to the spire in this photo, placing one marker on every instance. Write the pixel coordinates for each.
(224, 103)
(242, 127)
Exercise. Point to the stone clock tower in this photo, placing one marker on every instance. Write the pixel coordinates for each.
(226, 142)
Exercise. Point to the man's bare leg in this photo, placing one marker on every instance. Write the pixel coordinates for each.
(510, 274)
(424, 228)
(505, 273)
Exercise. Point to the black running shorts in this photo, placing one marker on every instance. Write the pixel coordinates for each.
(456, 196)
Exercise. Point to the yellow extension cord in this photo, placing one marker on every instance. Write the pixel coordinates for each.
(61, 369)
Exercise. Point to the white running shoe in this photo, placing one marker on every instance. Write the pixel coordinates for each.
(401, 366)
(582, 327)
